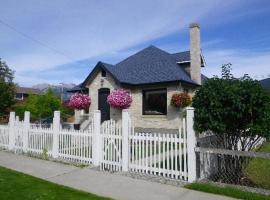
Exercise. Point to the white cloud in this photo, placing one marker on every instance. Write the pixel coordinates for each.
(24, 80)
(35, 61)
(87, 29)
(256, 64)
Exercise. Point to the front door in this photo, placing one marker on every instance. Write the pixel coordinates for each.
(103, 106)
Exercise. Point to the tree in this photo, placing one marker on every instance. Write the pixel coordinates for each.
(236, 110)
(7, 88)
(41, 106)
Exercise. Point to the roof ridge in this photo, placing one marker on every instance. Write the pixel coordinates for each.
(141, 51)
(27, 87)
(104, 63)
(180, 52)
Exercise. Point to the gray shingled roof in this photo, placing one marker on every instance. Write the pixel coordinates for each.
(77, 88)
(26, 90)
(148, 66)
(265, 83)
(181, 56)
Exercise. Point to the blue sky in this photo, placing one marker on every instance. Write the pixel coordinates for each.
(61, 40)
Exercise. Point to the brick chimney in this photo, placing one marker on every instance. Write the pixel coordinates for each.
(195, 53)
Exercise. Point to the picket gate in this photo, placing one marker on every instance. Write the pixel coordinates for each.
(18, 135)
(111, 146)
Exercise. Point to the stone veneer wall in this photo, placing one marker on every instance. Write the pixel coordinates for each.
(102, 82)
(169, 121)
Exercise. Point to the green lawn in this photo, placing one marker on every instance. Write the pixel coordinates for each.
(226, 191)
(15, 185)
(258, 169)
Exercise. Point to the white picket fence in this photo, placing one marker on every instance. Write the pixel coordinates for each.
(4, 139)
(64, 144)
(113, 146)
(76, 146)
(40, 140)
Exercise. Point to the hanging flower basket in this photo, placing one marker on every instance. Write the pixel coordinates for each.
(79, 101)
(120, 99)
(180, 100)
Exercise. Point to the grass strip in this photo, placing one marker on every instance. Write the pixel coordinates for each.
(17, 186)
(226, 191)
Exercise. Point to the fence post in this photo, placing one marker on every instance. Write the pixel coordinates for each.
(26, 126)
(11, 123)
(191, 144)
(96, 145)
(56, 129)
(125, 134)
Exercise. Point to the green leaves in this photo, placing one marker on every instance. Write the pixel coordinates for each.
(6, 74)
(40, 106)
(7, 88)
(232, 106)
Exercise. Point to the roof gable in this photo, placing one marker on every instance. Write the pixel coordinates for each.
(100, 65)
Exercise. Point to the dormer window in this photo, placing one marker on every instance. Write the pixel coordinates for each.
(103, 73)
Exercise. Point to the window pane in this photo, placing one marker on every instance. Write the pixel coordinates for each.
(19, 96)
(103, 73)
(155, 102)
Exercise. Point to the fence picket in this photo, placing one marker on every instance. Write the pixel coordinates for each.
(4, 136)
(185, 149)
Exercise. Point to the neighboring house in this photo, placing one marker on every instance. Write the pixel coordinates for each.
(152, 76)
(23, 92)
(59, 90)
(265, 84)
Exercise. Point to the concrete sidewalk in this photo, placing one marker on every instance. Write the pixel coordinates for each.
(100, 183)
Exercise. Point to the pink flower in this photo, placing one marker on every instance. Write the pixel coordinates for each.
(120, 98)
(79, 101)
